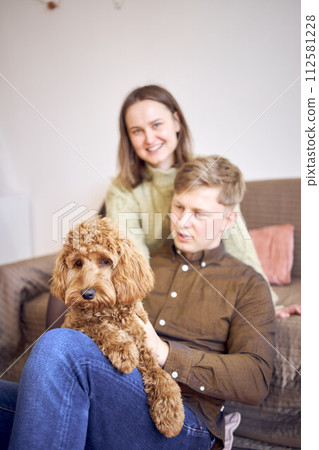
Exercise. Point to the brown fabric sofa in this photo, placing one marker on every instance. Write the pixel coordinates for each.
(275, 424)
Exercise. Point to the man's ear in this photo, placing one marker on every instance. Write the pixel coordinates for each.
(230, 219)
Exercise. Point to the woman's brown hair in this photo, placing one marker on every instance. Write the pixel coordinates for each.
(132, 168)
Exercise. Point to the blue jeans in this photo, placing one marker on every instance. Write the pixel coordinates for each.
(71, 397)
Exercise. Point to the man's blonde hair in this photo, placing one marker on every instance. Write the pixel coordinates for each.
(212, 171)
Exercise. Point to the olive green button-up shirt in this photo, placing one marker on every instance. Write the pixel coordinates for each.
(217, 316)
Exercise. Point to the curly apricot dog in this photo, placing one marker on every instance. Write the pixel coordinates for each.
(102, 280)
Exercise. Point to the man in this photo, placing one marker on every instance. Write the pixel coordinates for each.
(213, 331)
(213, 313)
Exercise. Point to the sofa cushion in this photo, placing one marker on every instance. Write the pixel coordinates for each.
(275, 248)
(289, 294)
(33, 317)
(273, 202)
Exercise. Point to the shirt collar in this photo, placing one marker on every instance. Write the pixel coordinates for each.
(206, 256)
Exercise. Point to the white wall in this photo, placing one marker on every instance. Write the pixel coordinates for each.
(226, 61)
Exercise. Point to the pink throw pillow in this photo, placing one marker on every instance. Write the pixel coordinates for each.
(275, 249)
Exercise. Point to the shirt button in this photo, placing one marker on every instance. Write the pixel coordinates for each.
(173, 294)
(174, 374)
(162, 322)
(202, 388)
(203, 264)
(185, 268)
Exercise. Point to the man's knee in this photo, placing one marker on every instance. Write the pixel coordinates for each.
(63, 344)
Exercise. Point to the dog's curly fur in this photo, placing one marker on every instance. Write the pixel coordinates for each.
(102, 280)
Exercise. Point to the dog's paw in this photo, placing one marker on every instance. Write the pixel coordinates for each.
(166, 405)
(124, 357)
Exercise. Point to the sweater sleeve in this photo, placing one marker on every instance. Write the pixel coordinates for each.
(244, 373)
(123, 209)
(239, 244)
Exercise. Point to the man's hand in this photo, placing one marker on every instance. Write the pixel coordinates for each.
(285, 312)
(158, 347)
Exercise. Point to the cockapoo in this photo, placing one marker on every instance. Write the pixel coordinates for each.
(102, 280)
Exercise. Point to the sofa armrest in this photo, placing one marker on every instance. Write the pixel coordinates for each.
(19, 283)
(33, 325)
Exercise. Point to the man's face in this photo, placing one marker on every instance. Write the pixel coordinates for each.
(198, 220)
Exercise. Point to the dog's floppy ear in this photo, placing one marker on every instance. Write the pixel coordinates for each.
(58, 280)
(133, 278)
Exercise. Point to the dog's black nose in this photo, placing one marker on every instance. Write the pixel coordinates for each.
(88, 294)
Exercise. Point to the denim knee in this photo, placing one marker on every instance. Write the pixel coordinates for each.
(63, 344)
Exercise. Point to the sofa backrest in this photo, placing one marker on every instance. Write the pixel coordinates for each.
(275, 202)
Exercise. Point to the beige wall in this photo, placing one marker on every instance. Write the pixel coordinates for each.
(225, 61)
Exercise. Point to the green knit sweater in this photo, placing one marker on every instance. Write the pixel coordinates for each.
(141, 215)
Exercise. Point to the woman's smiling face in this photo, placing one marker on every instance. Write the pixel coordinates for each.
(152, 130)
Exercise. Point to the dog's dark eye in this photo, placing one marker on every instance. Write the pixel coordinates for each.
(78, 263)
(104, 262)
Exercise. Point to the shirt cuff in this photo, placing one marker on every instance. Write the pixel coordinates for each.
(178, 362)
